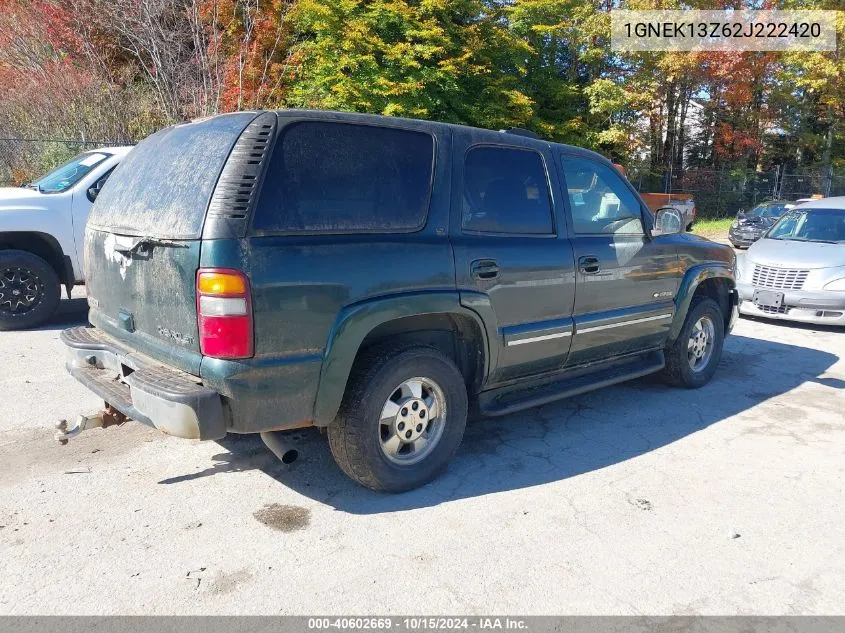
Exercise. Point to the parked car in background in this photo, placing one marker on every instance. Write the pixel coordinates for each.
(42, 226)
(749, 226)
(258, 272)
(796, 271)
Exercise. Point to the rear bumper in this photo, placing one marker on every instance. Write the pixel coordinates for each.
(172, 401)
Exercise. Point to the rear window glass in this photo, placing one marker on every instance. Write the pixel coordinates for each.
(346, 178)
(163, 186)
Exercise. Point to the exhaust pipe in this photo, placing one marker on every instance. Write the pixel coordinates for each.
(279, 448)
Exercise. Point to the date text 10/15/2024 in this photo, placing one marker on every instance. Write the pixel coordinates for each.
(422, 623)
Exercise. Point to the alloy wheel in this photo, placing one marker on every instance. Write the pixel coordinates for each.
(20, 290)
(700, 346)
(412, 421)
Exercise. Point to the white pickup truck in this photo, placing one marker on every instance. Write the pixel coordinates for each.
(42, 226)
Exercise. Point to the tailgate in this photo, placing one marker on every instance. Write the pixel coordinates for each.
(142, 242)
(147, 297)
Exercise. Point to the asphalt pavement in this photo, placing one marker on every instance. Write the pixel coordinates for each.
(636, 499)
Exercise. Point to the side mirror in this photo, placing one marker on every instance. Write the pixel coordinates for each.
(94, 191)
(667, 221)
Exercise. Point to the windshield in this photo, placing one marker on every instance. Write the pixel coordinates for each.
(768, 210)
(64, 177)
(811, 225)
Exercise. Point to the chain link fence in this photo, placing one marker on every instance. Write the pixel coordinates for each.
(721, 193)
(23, 160)
(793, 186)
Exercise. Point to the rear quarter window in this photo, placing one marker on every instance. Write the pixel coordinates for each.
(327, 177)
(163, 186)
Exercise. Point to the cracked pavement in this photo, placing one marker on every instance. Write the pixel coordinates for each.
(636, 499)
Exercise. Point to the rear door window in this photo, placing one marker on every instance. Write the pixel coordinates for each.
(506, 191)
(327, 177)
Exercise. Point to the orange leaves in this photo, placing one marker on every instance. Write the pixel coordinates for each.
(730, 142)
(251, 43)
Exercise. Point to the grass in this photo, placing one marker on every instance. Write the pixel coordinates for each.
(712, 229)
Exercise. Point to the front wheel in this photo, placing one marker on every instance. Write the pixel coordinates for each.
(401, 420)
(29, 290)
(692, 359)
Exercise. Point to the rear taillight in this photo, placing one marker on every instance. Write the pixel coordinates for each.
(224, 313)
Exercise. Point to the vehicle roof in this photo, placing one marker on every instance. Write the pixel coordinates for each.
(837, 204)
(489, 135)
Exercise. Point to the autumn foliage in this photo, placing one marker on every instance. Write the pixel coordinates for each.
(118, 69)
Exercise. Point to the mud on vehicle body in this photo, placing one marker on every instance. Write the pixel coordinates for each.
(263, 271)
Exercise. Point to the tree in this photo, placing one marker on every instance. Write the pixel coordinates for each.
(452, 60)
(253, 50)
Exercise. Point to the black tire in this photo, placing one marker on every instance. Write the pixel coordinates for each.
(17, 267)
(354, 436)
(678, 371)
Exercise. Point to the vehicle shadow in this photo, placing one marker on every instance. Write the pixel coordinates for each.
(554, 442)
(70, 312)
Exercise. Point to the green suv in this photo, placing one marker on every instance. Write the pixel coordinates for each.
(379, 277)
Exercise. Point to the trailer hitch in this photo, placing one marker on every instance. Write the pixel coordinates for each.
(101, 419)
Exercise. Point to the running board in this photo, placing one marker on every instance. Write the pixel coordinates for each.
(507, 400)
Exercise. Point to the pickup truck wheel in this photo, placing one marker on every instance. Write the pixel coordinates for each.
(29, 290)
(401, 420)
(692, 359)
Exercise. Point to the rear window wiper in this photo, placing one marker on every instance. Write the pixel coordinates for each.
(143, 243)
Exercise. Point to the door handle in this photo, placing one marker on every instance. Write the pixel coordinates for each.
(589, 264)
(485, 269)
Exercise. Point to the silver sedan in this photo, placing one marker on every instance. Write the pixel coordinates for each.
(797, 270)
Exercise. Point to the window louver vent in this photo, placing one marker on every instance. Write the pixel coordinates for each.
(236, 189)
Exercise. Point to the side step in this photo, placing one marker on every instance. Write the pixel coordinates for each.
(507, 400)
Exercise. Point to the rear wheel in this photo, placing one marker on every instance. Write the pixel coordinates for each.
(692, 359)
(29, 290)
(401, 420)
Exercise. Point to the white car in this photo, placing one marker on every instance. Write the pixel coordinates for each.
(796, 271)
(42, 227)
